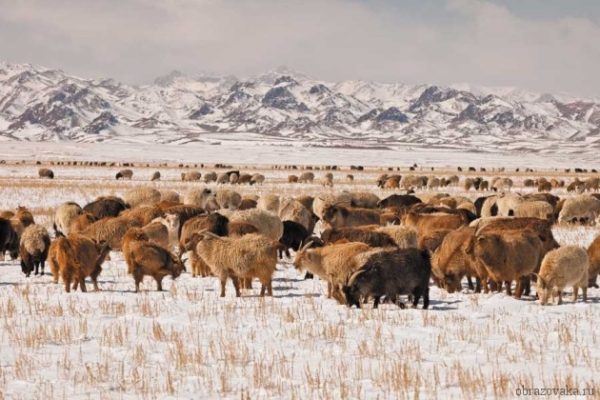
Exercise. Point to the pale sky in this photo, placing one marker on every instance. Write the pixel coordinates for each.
(542, 45)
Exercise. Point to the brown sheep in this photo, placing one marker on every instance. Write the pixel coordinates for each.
(158, 233)
(507, 256)
(105, 206)
(247, 257)
(431, 240)
(356, 234)
(25, 216)
(340, 217)
(146, 258)
(74, 258)
(80, 223)
(594, 257)
(292, 179)
(33, 249)
(124, 174)
(155, 176)
(424, 223)
(190, 176)
(215, 223)
(143, 214)
(110, 230)
(565, 266)
(46, 173)
(542, 227)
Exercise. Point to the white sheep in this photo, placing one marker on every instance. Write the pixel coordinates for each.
(562, 267)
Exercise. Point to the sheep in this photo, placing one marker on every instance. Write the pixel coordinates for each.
(391, 273)
(306, 201)
(292, 179)
(9, 239)
(155, 176)
(170, 196)
(565, 266)
(247, 204)
(172, 223)
(505, 256)
(363, 200)
(257, 179)
(399, 200)
(184, 212)
(535, 209)
(222, 179)
(349, 178)
(110, 230)
(358, 234)
(46, 173)
(142, 196)
(246, 179)
(250, 256)
(293, 210)
(25, 216)
(146, 258)
(157, 233)
(489, 208)
(450, 261)
(105, 206)
(64, 215)
(33, 249)
(190, 176)
(544, 186)
(233, 178)
(581, 208)
(228, 199)
(81, 222)
(306, 177)
(294, 235)
(202, 197)
(210, 177)
(507, 203)
(431, 239)
(468, 206)
(75, 257)
(468, 184)
(500, 184)
(392, 183)
(268, 224)
(404, 237)
(143, 214)
(541, 227)
(339, 217)
(343, 199)
(327, 180)
(334, 264)
(433, 183)
(215, 223)
(124, 174)
(594, 257)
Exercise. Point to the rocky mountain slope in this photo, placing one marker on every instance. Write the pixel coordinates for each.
(283, 106)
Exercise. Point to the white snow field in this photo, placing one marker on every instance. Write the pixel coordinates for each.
(187, 343)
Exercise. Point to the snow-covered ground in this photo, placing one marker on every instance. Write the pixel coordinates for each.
(187, 343)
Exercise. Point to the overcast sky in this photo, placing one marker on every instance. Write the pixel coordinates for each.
(544, 45)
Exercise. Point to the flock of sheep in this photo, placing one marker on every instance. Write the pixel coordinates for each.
(365, 247)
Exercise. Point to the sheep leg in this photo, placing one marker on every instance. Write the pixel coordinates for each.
(43, 265)
(508, 287)
(138, 276)
(416, 297)
(575, 292)
(158, 280)
(426, 298)
(82, 284)
(94, 277)
(477, 285)
(584, 292)
(329, 289)
(287, 253)
(270, 287)
(559, 297)
(376, 302)
(236, 285)
(223, 283)
(470, 282)
(37, 267)
(521, 283)
(66, 276)
(75, 284)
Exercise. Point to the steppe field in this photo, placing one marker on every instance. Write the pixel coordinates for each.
(188, 343)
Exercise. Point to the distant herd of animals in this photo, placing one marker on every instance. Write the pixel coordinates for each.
(366, 248)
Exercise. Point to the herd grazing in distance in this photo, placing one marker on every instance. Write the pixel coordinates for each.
(466, 230)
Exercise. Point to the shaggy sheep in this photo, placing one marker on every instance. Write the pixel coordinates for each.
(245, 179)
(306, 177)
(124, 174)
(250, 256)
(268, 224)
(327, 180)
(190, 176)
(339, 217)
(170, 196)
(363, 200)
(222, 179)
(404, 237)
(142, 196)
(294, 235)
(535, 209)
(247, 204)
(228, 199)
(565, 266)
(157, 233)
(450, 261)
(146, 258)
(583, 208)
(110, 230)
(173, 225)
(507, 203)
(594, 257)
(105, 206)
(64, 215)
(184, 212)
(155, 176)
(306, 201)
(202, 197)
(430, 240)
(75, 257)
(45, 173)
(334, 264)
(25, 216)
(233, 178)
(391, 273)
(210, 177)
(292, 179)
(293, 210)
(257, 179)
(33, 249)
(215, 223)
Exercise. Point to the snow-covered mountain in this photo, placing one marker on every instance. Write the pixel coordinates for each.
(41, 104)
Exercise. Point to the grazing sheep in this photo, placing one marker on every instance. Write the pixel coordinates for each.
(349, 178)
(333, 263)
(45, 173)
(25, 216)
(363, 199)
(319, 204)
(293, 210)
(214, 223)
(146, 258)
(398, 200)
(222, 179)
(228, 199)
(327, 180)
(250, 256)
(124, 174)
(245, 179)
(257, 179)
(391, 273)
(268, 224)
(433, 183)
(594, 257)
(392, 182)
(33, 249)
(535, 209)
(306, 177)
(190, 176)
(582, 208)
(565, 266)
(155, 176)
(75, 257)
(110, 230)
(64, 215)
(292, 179)
(9, 239)
(501, 184)
(541, 227)
(142, 196)
(105, 206)
(170, 196)
(202, 197)
(507, 256)
(233, 178)
(450, 261)
(431, 239)
(210, 177)
(339, 217)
